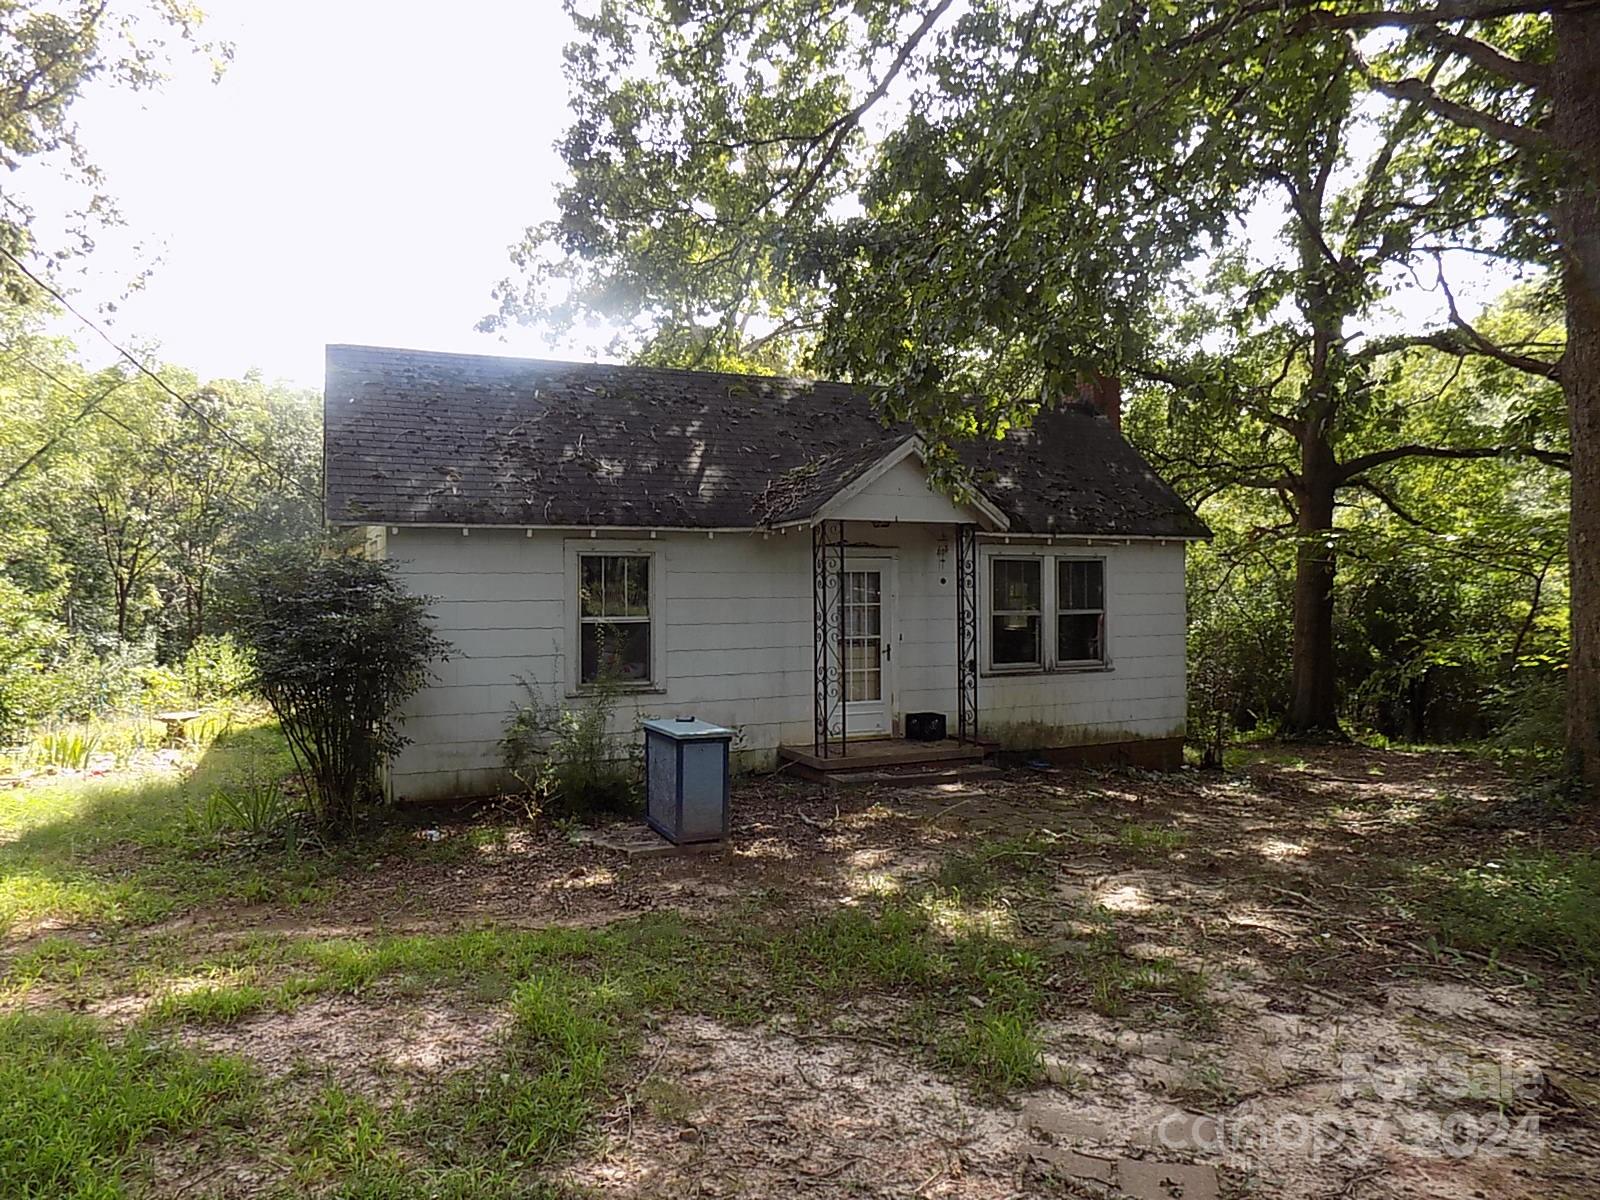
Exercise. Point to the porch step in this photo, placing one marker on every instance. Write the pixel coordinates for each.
(909, 776)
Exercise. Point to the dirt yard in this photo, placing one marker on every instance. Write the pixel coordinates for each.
(1184, 986)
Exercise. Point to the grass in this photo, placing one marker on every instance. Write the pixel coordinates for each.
(1542, 904)
(123, 851)
(994, 866)
(217, 1004)
(488, 1130)
(1152, 840)
(75, 1104)
(579, 1001)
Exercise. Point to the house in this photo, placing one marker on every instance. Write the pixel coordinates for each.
(762, 553)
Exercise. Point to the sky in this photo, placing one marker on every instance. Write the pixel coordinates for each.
(357, 175)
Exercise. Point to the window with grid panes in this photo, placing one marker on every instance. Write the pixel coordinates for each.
(614, 618)
(1016, 612)
(1080, 610)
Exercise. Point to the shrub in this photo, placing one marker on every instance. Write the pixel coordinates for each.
(1531, 711)
(215, 668)
(337, 645)
(566, 757)
(69, 747)
(68, 679)
(256, 807)
(28, 641)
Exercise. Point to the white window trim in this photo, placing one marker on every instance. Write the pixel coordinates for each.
(1049, 632)
(990, 613)
(1104, 611)
(575, 549)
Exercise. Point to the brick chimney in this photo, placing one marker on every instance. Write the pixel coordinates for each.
(1103, 393)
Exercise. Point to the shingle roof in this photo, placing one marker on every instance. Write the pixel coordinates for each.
(416, 437)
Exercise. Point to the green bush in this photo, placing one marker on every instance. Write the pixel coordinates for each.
(68, 679)
(1531, 715)
(48, 676)
(566, 757)
(337, 645)
(215, 668)
(29, 639)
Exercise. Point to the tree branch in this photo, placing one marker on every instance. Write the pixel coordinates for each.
(841, 127)
(1348, 471)
(1483, 345)
(88, 410)
(1444, 12)
(1175, 379)
(1378, 168)
(1417, 91)
(1453, 342)
(1534, 75)
(1392, 504)
(1312, 15)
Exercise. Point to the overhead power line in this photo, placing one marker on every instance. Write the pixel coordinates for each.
(161, 383)
(90, 408)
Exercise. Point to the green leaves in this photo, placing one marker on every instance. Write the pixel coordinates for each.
(708, 146)
(51, 51)
(338, 645)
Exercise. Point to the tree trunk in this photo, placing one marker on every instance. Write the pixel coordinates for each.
(122, 592)
(1576, 114)
(1314, 707)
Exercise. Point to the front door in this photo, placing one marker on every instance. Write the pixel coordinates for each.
(869, 587)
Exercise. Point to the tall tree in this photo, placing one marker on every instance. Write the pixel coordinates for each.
(1054, 168)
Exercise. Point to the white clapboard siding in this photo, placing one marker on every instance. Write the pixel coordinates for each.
(1142, 694)
(738, 640)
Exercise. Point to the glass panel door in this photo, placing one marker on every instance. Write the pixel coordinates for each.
(868, 646)
(863, 634)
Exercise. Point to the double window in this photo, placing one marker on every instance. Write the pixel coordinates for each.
(1046, 612)
(615, 637)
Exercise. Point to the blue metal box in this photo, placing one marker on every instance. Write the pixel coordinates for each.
(686, 779)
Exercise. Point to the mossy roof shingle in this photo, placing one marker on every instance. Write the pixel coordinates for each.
(417, 437)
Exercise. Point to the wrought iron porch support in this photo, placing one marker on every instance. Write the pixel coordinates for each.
(967, 633)
(828, 638)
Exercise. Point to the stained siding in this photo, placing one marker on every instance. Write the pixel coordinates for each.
(1142, 694)
(738, 644)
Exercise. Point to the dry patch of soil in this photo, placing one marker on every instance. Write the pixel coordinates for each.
(381, 1051)
(735, 1112)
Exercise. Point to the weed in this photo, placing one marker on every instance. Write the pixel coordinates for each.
(70, 747)
(255, 807)
(998, 1051)
(1544, 903)
(1153, 840)
(566, 757)
(1207, 1084)
(213, 1004)
(77, 1105)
